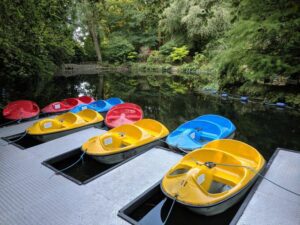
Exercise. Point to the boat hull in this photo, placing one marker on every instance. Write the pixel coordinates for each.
(174, 148)
(52, 136)
(121, 156)
(20, 110)
(218, 207)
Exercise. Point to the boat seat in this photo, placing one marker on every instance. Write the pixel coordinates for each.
(207, 135)
(87, 115)
(128, 141)
(226, 177)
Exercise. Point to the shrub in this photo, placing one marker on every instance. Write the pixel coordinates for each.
(155, 57)
(132, 56)
(178, 54)
(199, 59)
(167, 48)
(144, 53)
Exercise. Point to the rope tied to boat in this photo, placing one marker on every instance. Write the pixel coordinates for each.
(18, 139)
(70, 166)
(182, 184)
(170, 210)
(213, 164)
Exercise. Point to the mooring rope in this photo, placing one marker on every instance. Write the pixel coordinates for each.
(14, 141)
(68, 167)
(212, 164)
(170, 210)
(259, 174)
(232, 165)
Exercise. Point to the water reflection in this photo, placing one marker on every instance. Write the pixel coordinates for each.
(174, 100)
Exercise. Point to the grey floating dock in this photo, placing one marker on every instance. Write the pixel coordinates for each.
(30, 194)
(268, 204)
(16, 128)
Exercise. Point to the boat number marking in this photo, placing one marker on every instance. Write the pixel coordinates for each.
(48, 125)
(108, 141)
(57, 106)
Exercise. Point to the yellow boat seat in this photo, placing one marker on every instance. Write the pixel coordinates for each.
(153, 127)
(87, 115)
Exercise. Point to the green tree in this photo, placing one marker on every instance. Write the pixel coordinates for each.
(117, 48)
(89, 14)
(263, 42)
(35, 37)
(197, 21)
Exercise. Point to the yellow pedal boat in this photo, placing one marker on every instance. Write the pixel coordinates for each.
(64, 124)
(125, 141)
(212, 179)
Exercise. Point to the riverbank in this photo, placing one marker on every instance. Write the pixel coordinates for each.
(277, 90)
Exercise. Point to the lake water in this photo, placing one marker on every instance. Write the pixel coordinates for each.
(172, 100)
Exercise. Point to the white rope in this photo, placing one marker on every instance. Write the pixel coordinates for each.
(68, 167)
(256, 172)
(170, 210)
(11, 142)
(259, 174)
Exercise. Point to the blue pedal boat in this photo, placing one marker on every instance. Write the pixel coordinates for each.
(99, 106)
(199, 131)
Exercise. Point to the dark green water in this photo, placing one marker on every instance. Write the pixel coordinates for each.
(172, 100)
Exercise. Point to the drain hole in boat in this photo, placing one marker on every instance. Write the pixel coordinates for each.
(217, 187)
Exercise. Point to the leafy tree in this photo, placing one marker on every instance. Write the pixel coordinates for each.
(89, 14)
(35, 37)
(117, 48)
(197, 21)
(262, 43)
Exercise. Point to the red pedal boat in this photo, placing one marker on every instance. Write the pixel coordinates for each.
(67, 104)
(125, 113)
(21, 109)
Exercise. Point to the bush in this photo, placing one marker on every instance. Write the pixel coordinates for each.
(144, 53)
(178, 54)
(132, 56)
(155, 57)
(117, 49)
(167, 48)
(199, 59)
